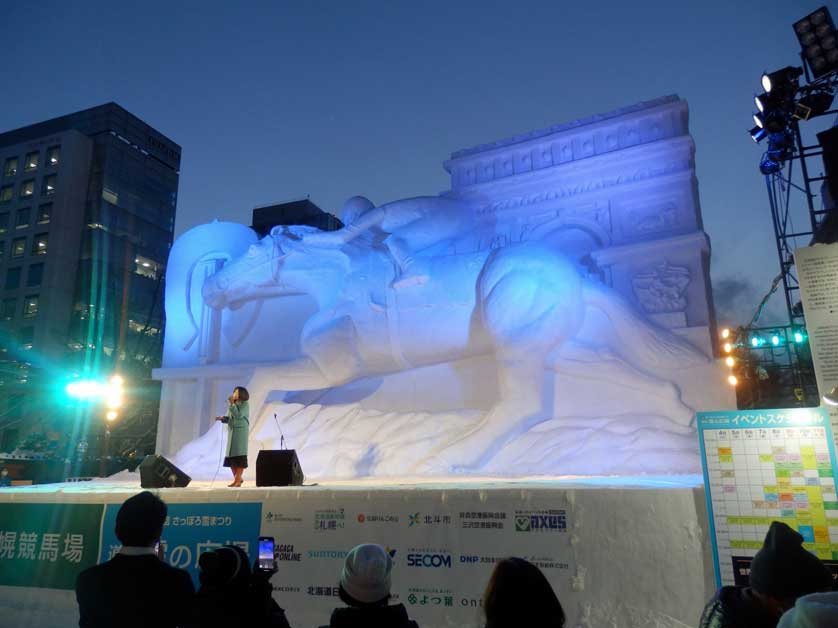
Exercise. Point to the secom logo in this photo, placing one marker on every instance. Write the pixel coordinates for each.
(428, 560)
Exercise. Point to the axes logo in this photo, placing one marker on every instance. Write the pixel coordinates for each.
(540, 521)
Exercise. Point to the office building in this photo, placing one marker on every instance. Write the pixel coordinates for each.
(87, 213)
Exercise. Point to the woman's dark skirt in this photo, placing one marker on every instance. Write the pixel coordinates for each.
(236, 461)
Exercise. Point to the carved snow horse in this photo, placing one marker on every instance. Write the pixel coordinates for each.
(521, 303)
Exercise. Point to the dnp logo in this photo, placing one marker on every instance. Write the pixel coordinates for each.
(429, 560)
(413, 520)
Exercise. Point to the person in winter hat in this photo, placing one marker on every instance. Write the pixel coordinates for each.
(816, 610)
(782, 571)
(365, 589)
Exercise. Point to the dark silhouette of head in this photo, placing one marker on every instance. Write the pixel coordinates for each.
(139, 522)
(784, 570)
(227, 567)
(518, 594)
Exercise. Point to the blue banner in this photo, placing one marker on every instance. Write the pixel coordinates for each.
(192, 529)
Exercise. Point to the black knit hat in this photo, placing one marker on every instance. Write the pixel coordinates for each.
(784, 570)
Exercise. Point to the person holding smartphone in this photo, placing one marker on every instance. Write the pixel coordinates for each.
(234, 595)
(238, 424)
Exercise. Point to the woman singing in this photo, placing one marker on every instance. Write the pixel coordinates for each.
(237, 426)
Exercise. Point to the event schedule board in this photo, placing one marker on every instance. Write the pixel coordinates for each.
(762, 466)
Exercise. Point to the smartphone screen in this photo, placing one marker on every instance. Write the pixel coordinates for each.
(266, 553)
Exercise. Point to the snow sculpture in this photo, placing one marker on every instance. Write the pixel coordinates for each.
(519, 303)
(549, 314)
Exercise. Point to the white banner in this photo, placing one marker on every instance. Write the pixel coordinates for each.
(817, 273)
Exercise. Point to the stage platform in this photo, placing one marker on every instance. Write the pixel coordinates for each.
(619, 551)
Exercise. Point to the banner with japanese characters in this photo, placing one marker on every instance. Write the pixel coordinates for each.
(443, 546)
(47, 545)
(191, 529)
(817, 272)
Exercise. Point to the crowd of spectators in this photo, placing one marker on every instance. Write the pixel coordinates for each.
(789, 587)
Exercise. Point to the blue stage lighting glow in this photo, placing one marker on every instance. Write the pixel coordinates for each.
(798, 337)
(775, 340)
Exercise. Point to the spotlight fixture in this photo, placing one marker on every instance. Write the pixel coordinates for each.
(817, 36)
(813, 103)
(783, 82)
(775, 121)
(761, 101)
(757, 134)
(759, 120)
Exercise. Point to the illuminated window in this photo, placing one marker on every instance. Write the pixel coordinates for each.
(146, 267)
(36, 273)
(39, 244)
(27, 188)
(44, 212)
(22, 218)
(2, 249)
(26, 335)
(4, 222)
(31, 162)
(12, 278)
(10, 168)
(53, 155)
(48, 185)
(110, 196)
(18, 247)
(30, 306)
(6, 193)
(7, 309)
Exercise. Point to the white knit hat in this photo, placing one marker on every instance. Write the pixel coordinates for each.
(817, 610)
(366, 573)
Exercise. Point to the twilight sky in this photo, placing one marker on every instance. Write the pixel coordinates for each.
(332, 99)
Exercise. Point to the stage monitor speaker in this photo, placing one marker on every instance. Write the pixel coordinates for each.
(278, 467)
(157, 472)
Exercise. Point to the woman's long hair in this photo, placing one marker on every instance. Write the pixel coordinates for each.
(243, 394)
(518, 594)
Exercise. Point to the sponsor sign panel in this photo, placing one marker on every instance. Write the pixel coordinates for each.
(443, 547)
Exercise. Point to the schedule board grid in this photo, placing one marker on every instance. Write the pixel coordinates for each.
(763, 466)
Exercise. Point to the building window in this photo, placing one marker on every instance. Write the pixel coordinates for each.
(27, 188)
(12, 278)
(26, 335)
(18, 247)
(22, 218)
(4, 222)
(48, 185)
(31, 162)
(110, 196)
(146, 267)
(30, 306)
(39, 244)
(6, 193)
(7, 309)
(53, 155)
(10, 168)
(44, 212)
(36, 273)
(2, 249)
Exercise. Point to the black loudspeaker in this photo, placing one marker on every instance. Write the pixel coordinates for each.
(278, 467)
(157, 472)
